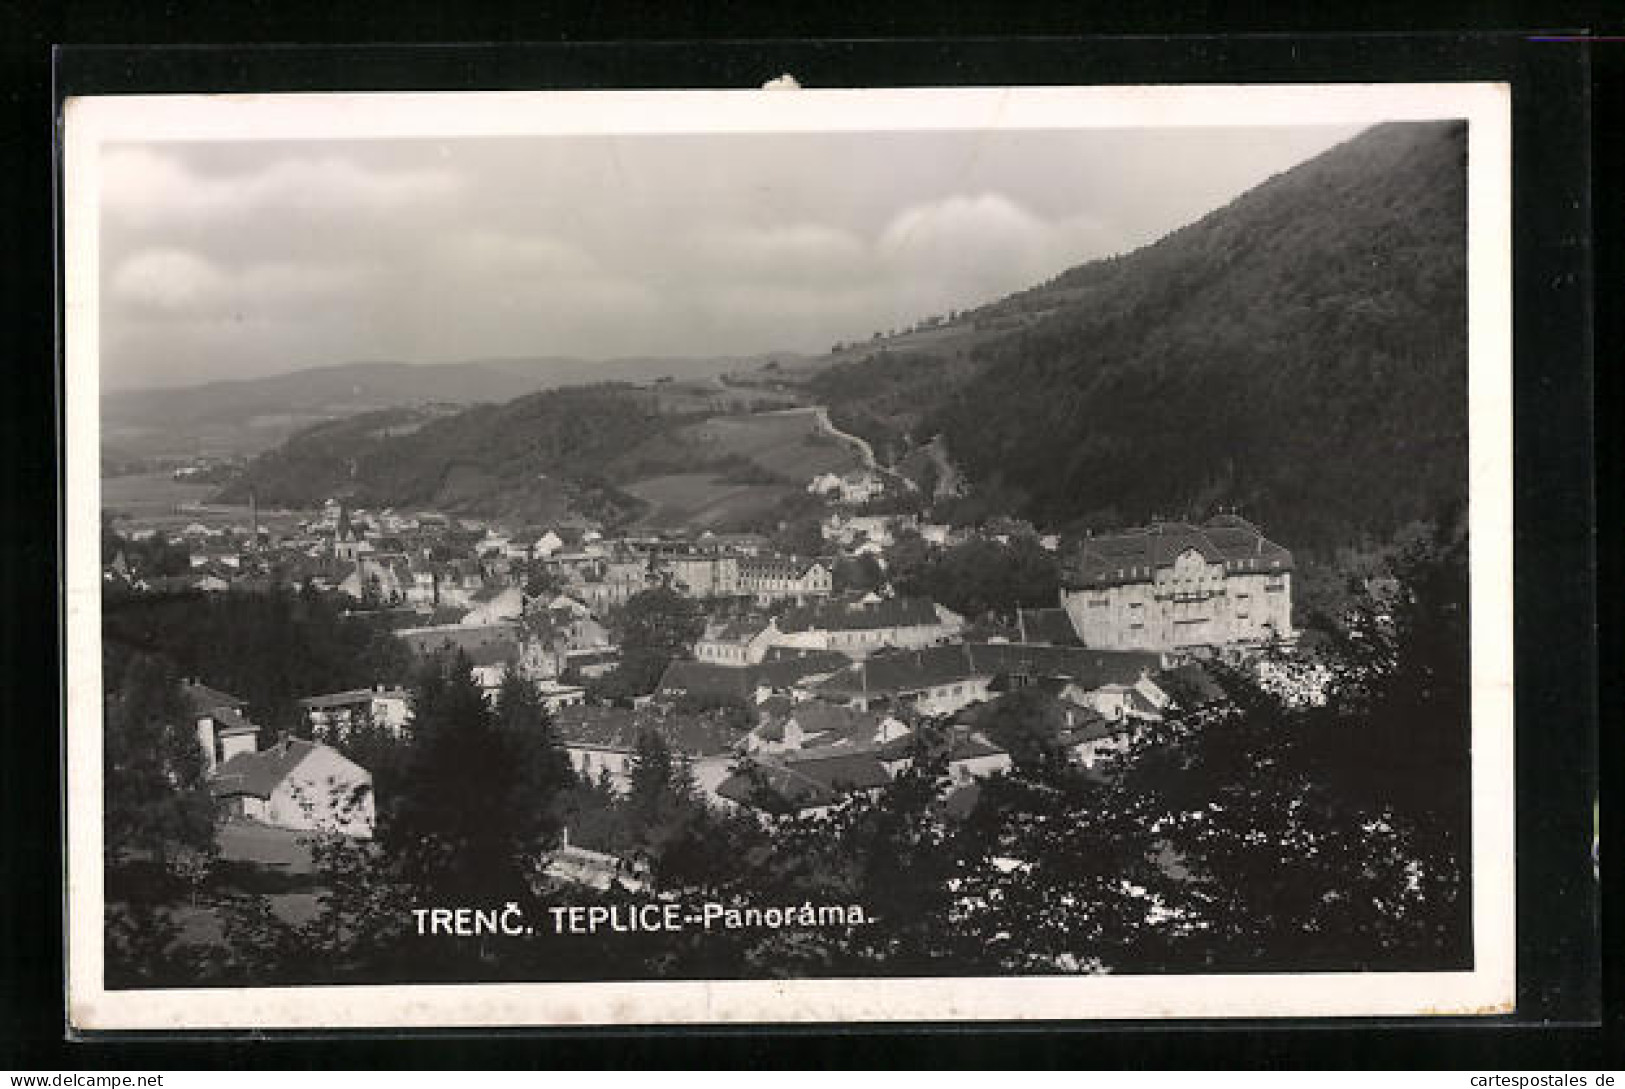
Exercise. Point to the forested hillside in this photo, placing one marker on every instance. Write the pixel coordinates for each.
(544, 451)
(1301, 352)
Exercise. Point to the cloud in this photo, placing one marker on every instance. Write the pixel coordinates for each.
(794, 251)
(187, 284)
(167, 279)
(149, 187)
(501, 256)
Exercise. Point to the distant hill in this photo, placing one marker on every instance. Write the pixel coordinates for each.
(535, 455)
(611, 451)
(1300, 353)
(247, 416)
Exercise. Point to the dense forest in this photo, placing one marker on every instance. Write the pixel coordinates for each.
(1301, 353)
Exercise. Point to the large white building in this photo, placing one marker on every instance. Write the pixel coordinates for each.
(1173, 586)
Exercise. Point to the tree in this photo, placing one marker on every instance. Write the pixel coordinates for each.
(477, 799)
(1027, 724)
(657, 627)
(1329, 833)
(156, 799)
(984, 576)
(859, 575)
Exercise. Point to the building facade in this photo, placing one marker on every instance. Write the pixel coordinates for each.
(1181, 587)
(779, 578)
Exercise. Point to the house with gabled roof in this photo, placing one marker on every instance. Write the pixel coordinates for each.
(220, 721)
(736, 643)
(813, 724)
(297, 785)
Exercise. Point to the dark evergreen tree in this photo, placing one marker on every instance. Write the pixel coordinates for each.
(156, 800)
(477, 802)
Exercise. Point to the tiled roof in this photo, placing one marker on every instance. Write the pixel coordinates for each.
(790, 785)
(1089, 668)
(705, 679)
(735, 631)
(787, 671)
(1048, 626)
(1092, 727)
(901, 671)
(353, 696)
(200, 699)
(894, 672)
(960, 743)
(897, 612)
(228, 721)
(709, 679)
(1134, 555)
(619, 728)
(259, 773)
(823, 724)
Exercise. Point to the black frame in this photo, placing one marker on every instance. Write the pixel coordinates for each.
(1558, 903)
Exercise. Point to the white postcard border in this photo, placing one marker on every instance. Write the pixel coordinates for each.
(89, 123)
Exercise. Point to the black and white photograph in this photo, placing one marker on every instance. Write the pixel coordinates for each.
(788, 555)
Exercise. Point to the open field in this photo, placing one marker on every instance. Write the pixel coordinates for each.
(277, 848)
(158, 501)
(702, 501)
(791, 444)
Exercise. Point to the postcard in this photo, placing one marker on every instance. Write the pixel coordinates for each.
(788, 555)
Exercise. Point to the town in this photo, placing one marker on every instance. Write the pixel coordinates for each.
(799, 688)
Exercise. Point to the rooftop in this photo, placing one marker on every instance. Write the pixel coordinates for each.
(896, 612)
(1133, 555)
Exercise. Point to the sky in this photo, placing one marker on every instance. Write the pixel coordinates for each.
(247, 258)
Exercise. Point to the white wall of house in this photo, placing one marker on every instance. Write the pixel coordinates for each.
(205, 740)
(317, 794)
(952, 696)
(978, 767)
(233, 743)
